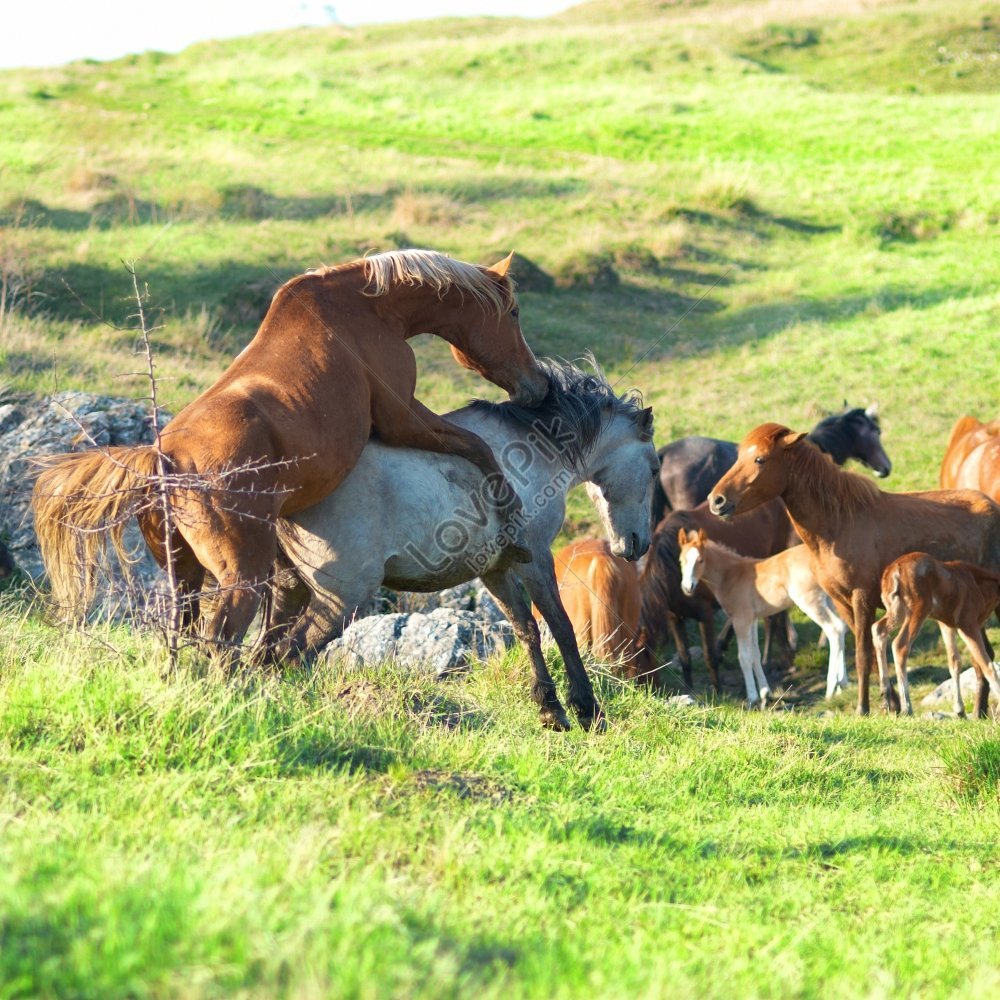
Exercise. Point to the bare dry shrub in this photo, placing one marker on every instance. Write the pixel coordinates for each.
(413, 208)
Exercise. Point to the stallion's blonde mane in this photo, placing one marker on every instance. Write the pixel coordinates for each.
(439, 272)
(384, 271)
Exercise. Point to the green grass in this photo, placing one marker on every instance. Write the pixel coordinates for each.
(800, 205)
(377, 834)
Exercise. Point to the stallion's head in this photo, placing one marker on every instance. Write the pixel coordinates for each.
(760, 472)
(497, 349)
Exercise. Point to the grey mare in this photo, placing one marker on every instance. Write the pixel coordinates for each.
(413, 520)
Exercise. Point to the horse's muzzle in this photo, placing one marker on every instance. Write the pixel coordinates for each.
(531, 390)
(720, 506)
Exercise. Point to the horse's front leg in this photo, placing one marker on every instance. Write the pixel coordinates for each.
(412, 425)
(540, 579)
(860, 616)
(864, 617)
(506, 590)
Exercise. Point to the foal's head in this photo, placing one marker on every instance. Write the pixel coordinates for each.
(692, 557)
(760, 472)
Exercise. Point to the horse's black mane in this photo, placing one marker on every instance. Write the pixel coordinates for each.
(837, 434)
(575, 410)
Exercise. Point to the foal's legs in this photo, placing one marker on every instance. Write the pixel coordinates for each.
(818, 607)
(901, 653)
(749, 656)
(506, 590)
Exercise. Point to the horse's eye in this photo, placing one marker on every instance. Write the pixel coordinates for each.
(759, 459)
(515, 313)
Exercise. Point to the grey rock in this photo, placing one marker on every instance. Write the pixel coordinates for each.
(944, 694)
(441, 642)
(69, 421)
(682, 701)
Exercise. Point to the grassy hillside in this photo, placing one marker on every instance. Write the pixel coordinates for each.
(751, 211)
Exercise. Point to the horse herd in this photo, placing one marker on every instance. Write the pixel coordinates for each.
(308, 476)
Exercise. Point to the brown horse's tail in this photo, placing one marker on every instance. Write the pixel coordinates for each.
(80, 501)
(615, 616)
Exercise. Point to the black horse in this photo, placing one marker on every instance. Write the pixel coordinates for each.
(691, 466)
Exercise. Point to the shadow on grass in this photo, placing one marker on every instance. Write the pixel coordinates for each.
(248, 202)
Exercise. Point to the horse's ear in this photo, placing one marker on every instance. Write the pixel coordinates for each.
(872, 411)
(702, 537)
(791, 437)
(501, 267)
(646, 422)
(681, 536)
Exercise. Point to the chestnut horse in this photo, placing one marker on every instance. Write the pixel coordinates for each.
(853, 529)
(691, 466)
(664, 605)
(959, 469)
(957, 595)
(600, 592)
(285, 424)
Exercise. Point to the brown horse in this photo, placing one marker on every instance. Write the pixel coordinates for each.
(967, 436)
(957, 595)
(853, 529)
(287, 421)
(980, 470)
(665, 607)
(600, 592)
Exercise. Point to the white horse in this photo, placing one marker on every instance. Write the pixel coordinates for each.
(413, 520)
(748, 589)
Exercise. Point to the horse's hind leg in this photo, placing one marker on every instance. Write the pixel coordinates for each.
(285, 602)
(901, 653)
(539, 577)
(954, 667)
(818, 607)
(984, 668)
(507, 592)
(239, 554)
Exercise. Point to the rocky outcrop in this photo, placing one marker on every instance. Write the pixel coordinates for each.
(441, 642)
(68, 421)
(943, 696)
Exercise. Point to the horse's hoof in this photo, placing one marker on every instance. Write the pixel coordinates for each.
(593, 721)
(556, 720)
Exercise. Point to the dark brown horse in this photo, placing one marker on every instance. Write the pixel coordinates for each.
(853, 529)
(287, 421)
(691, 466)
(665, 607)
